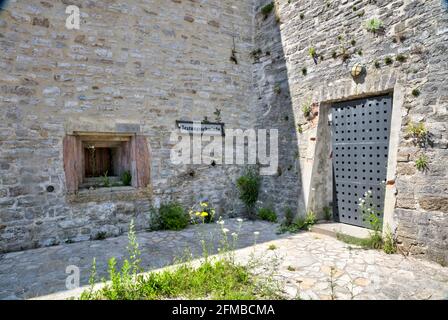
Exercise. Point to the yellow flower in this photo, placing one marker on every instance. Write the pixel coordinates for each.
(198, 213)
(204, 204)
(204, 214)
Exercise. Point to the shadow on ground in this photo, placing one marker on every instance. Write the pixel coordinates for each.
(42, 271)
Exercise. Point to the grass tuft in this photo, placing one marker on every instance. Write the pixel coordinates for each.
(373, 242)
(220, 280)
(267, 214)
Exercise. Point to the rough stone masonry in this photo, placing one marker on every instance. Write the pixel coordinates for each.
(140, 64)
(145, 64)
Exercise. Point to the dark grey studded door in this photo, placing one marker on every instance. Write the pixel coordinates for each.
(360, 139)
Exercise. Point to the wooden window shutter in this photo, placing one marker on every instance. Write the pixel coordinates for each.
(72, 163)
(142, 165)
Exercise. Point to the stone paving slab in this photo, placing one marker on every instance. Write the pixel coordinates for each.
(307, 261)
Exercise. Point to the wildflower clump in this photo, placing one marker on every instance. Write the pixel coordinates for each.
(372, 217)
(202, 213)
(220, 277)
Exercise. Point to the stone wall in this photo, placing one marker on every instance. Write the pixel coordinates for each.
(416, 30)
(142, 64)
(148, 63)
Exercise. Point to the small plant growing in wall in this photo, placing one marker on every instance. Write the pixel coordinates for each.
(256, 54)
(126, 178)
(418, 133)
(377, 64)
(248, 186)
(101, 235)
(106, 180)
(307, 109)
(345, 54)
(217, 115)
(401, 58)
(399, 37)
(304, 71)
(277, 89)
(422, 163)
(328, 213)
(267, 9)
(374, 25)
(416, 93)
(205, 120)
(313, 54)
(388, 61)
(417, 130)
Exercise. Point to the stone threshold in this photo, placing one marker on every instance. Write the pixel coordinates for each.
(332, 229)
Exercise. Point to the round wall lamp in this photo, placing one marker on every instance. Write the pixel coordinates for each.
(357, 70)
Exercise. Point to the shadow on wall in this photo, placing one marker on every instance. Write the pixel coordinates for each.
(3, 4)
(283, 190)
(321, 185)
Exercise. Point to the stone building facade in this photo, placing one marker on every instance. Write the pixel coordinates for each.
(134, 68)
(414, 31)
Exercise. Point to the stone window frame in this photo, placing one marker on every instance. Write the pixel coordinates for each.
(136, 146)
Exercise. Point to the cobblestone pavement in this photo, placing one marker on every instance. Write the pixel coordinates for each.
(307, 263)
